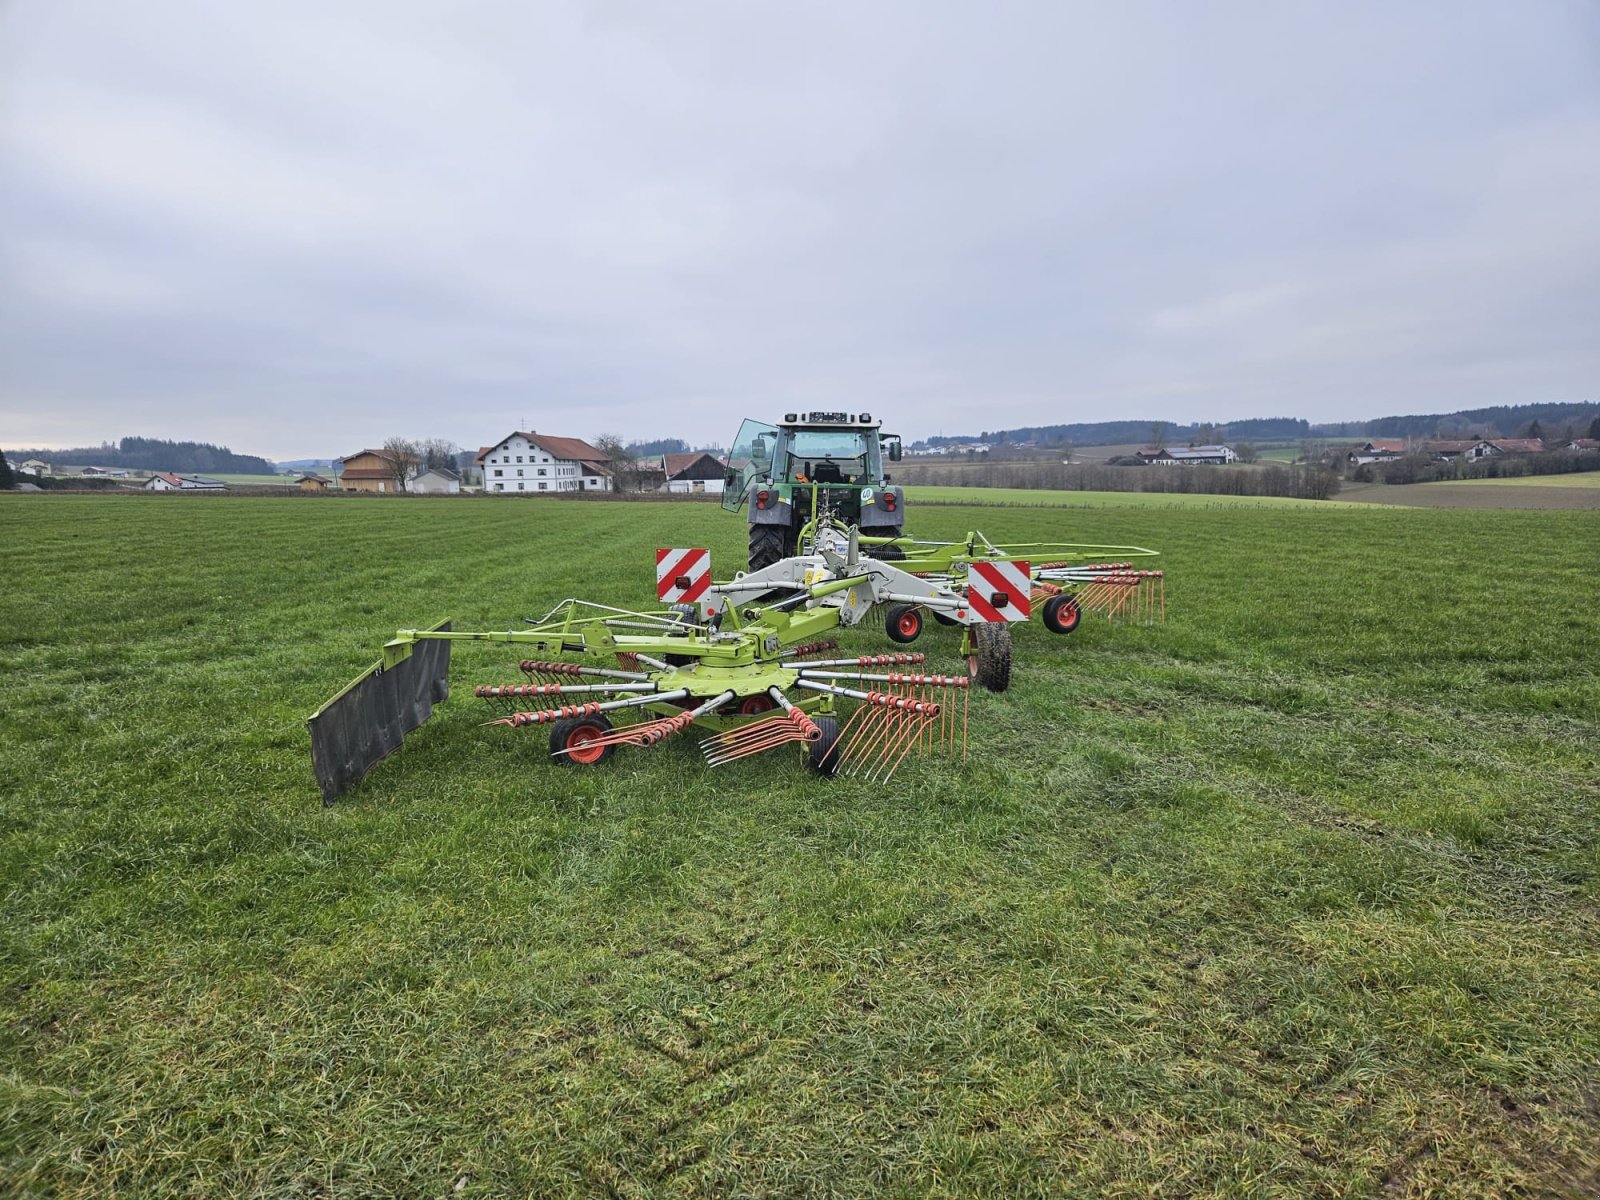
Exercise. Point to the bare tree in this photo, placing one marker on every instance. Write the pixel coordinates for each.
(403, 456)
(1247, 452)
(624, 467)
(438, 452)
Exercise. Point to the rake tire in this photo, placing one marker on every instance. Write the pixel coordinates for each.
(569, 730)
(990, 661)
(903, 623)
(1062, 614)
(822, 755)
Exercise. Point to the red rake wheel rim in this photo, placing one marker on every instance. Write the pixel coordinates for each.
(909, 624)
(581, 744)
(1068, 614)
(756, 704)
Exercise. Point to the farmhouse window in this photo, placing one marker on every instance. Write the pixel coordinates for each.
(498, 473)
(541, 470)
(519, 487)
(519, 458)
(543, 486)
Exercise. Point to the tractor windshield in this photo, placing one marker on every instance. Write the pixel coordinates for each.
(750, 458)
(830, 456)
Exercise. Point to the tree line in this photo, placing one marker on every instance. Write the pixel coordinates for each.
(154, 454)
(1313, 482)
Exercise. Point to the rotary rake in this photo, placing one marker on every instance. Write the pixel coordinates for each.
(1060, 581)
(744, 661)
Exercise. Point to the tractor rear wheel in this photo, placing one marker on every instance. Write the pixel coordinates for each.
(990, 660)
(577, 736)
(822, 755)
(769, 543)
(903, 623)
(1062, 614)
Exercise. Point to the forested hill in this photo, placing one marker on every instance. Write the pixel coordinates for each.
(1117, 433)
(153, 454)
(1505, 420)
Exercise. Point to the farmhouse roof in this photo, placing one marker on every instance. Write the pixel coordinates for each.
(169, 477)
(1517, 445)
(442, 472)
(568, 448)
(676, 464)
(1387, 445)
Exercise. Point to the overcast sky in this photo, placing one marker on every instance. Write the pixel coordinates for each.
(299, 227)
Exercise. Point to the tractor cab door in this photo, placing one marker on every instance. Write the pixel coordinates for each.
(750, 459)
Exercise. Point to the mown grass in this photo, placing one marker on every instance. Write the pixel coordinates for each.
(1294, 895)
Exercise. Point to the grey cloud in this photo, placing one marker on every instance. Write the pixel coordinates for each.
(300, 227)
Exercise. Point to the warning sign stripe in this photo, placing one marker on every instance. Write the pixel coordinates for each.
(674, 567)
(989, 580)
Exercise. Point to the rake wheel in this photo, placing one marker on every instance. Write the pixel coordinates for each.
(573, 734)
(822, 755)
(751, 705)
(990, 660)
(1062, 614)
(943, 618)
(903, 623)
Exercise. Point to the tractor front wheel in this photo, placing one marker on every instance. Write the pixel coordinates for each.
(1062, 614)
(768, 544)
(903, 623)
(990, 660)
(577, 736)
(822, 755)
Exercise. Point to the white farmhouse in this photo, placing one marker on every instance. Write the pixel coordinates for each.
(536, 462)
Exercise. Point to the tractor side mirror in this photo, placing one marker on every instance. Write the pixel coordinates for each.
(894, 450)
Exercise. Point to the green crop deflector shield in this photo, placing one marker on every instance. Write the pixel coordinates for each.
(367, 721)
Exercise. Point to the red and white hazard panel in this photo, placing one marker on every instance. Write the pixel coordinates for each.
(682, 576)
(1000, 591)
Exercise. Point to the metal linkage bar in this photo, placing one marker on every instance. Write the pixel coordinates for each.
(870, 660)
(505, 696)
(538, 668)
(806, 648)
(545, 716)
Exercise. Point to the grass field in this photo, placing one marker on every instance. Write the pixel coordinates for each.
(1295, 895)
(987, 497)
(1587, 480)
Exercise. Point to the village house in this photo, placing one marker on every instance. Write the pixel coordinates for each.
(537, 462)
(1377, 450)
(1189, 456)
(1499, 446)
(314, 483)
(36, 466)
(436, 481)
(696, 472)
(170, 482)
(367, 471)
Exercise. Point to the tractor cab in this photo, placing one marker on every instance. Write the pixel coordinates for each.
(822, 459)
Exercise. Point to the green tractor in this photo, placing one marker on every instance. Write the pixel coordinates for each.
(811, 464)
